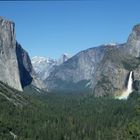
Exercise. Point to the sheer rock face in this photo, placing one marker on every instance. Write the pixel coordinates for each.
(97, 69)
(27, 74)
(104, 70)
(24, 65)
(133, 43)
(77, 70)
(15, 65)
(9, 72)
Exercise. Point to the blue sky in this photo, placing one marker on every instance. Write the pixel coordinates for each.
(51, 28)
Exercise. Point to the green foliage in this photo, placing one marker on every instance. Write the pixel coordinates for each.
(68, 87)
(69, 117)
(131, 63)
(133, 130)
(106, 85)
(133, 127)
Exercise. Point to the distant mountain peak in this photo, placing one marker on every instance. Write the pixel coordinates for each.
(2, 19)
(136, 28)
(39, 59)
(43, 65)
(103, 69)
(111, 44)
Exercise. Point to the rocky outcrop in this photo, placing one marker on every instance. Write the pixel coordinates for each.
(136, 85)
(103, 70)
(133, 43)
(9, 72)
(77, 70)
(44, 66)
(15, 65)
(24, 65)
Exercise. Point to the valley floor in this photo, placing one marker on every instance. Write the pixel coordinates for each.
(70, 117)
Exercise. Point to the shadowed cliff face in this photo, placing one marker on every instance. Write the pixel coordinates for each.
(15, 65)
(102, 70)
(24, 65)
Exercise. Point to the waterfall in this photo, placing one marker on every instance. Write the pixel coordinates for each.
(130, 83)
(129, 89)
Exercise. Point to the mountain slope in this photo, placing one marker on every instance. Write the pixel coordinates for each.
(78, 68)
(15, 65)
(24, 65)
(12, 95)
(44, 66)
(104, 69)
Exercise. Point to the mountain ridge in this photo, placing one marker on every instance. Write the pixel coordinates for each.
(101, 70)
(43, 65)
(105, 67)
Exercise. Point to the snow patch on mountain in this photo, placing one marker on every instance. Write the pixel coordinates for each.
(44, 66)
(111, 44)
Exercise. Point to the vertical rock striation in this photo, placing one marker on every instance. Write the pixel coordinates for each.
(24, 65)
(15, 65)
(9, 72)
(133, 42)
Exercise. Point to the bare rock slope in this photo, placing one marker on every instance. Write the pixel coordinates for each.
(15, 65)
(100, 70)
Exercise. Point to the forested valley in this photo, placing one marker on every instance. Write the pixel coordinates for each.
(70, 117)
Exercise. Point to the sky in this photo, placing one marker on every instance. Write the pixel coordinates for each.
(51, 28)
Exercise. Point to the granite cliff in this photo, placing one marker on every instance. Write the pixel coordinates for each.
(9, 71)
(99, 70)
(15, 65)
